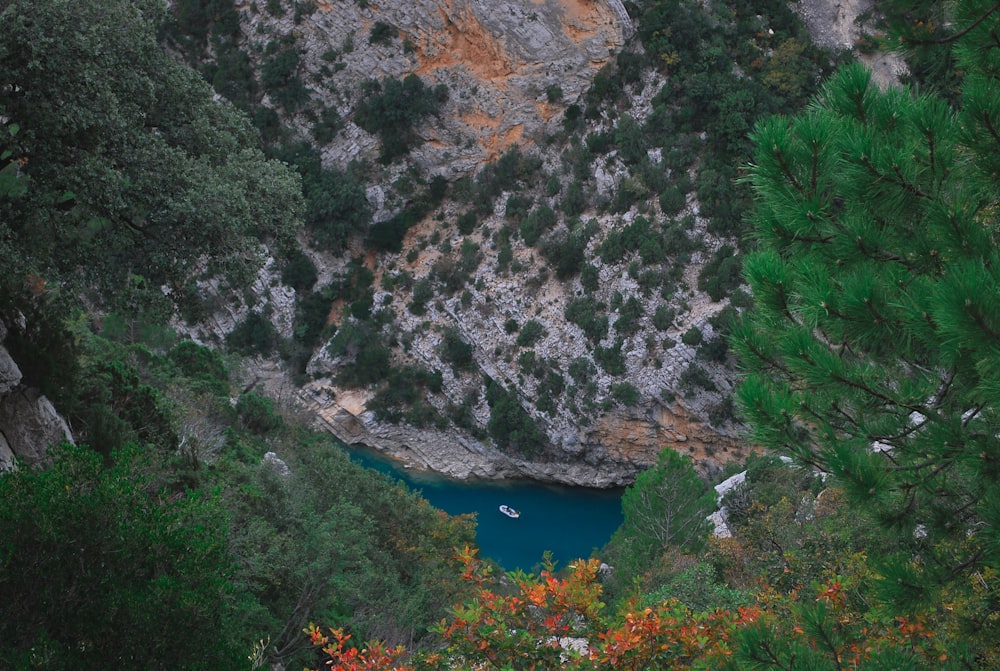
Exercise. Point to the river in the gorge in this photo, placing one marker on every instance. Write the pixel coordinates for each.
(571, 522)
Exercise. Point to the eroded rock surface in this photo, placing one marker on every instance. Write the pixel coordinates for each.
(498, 59)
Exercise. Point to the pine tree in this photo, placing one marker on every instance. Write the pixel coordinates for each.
(873, 351)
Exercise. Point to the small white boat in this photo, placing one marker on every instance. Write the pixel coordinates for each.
(509, 512)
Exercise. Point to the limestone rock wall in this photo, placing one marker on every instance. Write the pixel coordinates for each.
(497, 58)
(29, 423)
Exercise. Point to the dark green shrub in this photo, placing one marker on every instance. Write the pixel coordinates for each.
(565, 252)
(466, 222)
(572, 118)
(552, 185)
(589, 278)
(549, 392)
(672, 200)
(581, 370)
(392, 107)
(721, 274)
(663, 318)
(257, 414)
(600, 142)
(692, 337)
(456, 351)
(254, 335)
(299, 271)
(695, 377)
(574, 201)
(628, 316)
(382, 33)
(583, 312)
(279, 77)
(437, 189)
(611, 359)
(372, 364)
(510, 426)
(625, 393)
(311, 313)
(516, 206)
(714, 350)
(530, 333)
(529, 364)
(423, 291)
(535, 224)
(329, 124)
(202, 365)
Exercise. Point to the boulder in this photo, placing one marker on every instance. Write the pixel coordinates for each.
(10, 374)
(29, 424)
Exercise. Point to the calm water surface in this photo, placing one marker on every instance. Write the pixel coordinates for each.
(570, 521)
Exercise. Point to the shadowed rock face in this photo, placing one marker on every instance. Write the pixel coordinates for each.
(497, 58)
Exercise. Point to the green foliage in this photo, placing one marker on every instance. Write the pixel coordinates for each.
(85, 551)
(512, 168)
(566, 251)
(388, 235)
(694, 378)
(540, 220)
(328, 125)
(456, 351)
(510, 426)
(721, 274)
(366, 554)
(299, 271)
(202, 365)
(279, 77)
(700, 588)
(871, 348)
(692, 337)
(393, 107)
(582, 370)
(530, 333)
(672, 200)
(336, 206)
(312, 310)
(663, 318)
(257, 413)
(254, 335)
(583, 312)
(516, 207)
(549, 391)
(368, 359)
(466, 222)
(625, 393)
(611, 359)
(163, 178)
(382, 33)
(423, 291)
(665, 508)
(398, 398)
(589, 278)
(629, 314)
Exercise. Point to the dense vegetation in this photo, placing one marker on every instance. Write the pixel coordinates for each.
(197, 525)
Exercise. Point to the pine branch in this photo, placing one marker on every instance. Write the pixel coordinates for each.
(957, 36)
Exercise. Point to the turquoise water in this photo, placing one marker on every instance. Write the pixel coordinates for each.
(571, 522)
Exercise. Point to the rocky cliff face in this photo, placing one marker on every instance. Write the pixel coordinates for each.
(511, 69)
(498, 59)
(29, 423)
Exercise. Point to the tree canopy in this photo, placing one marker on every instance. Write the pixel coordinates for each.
(872, 350)
(135, 174)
